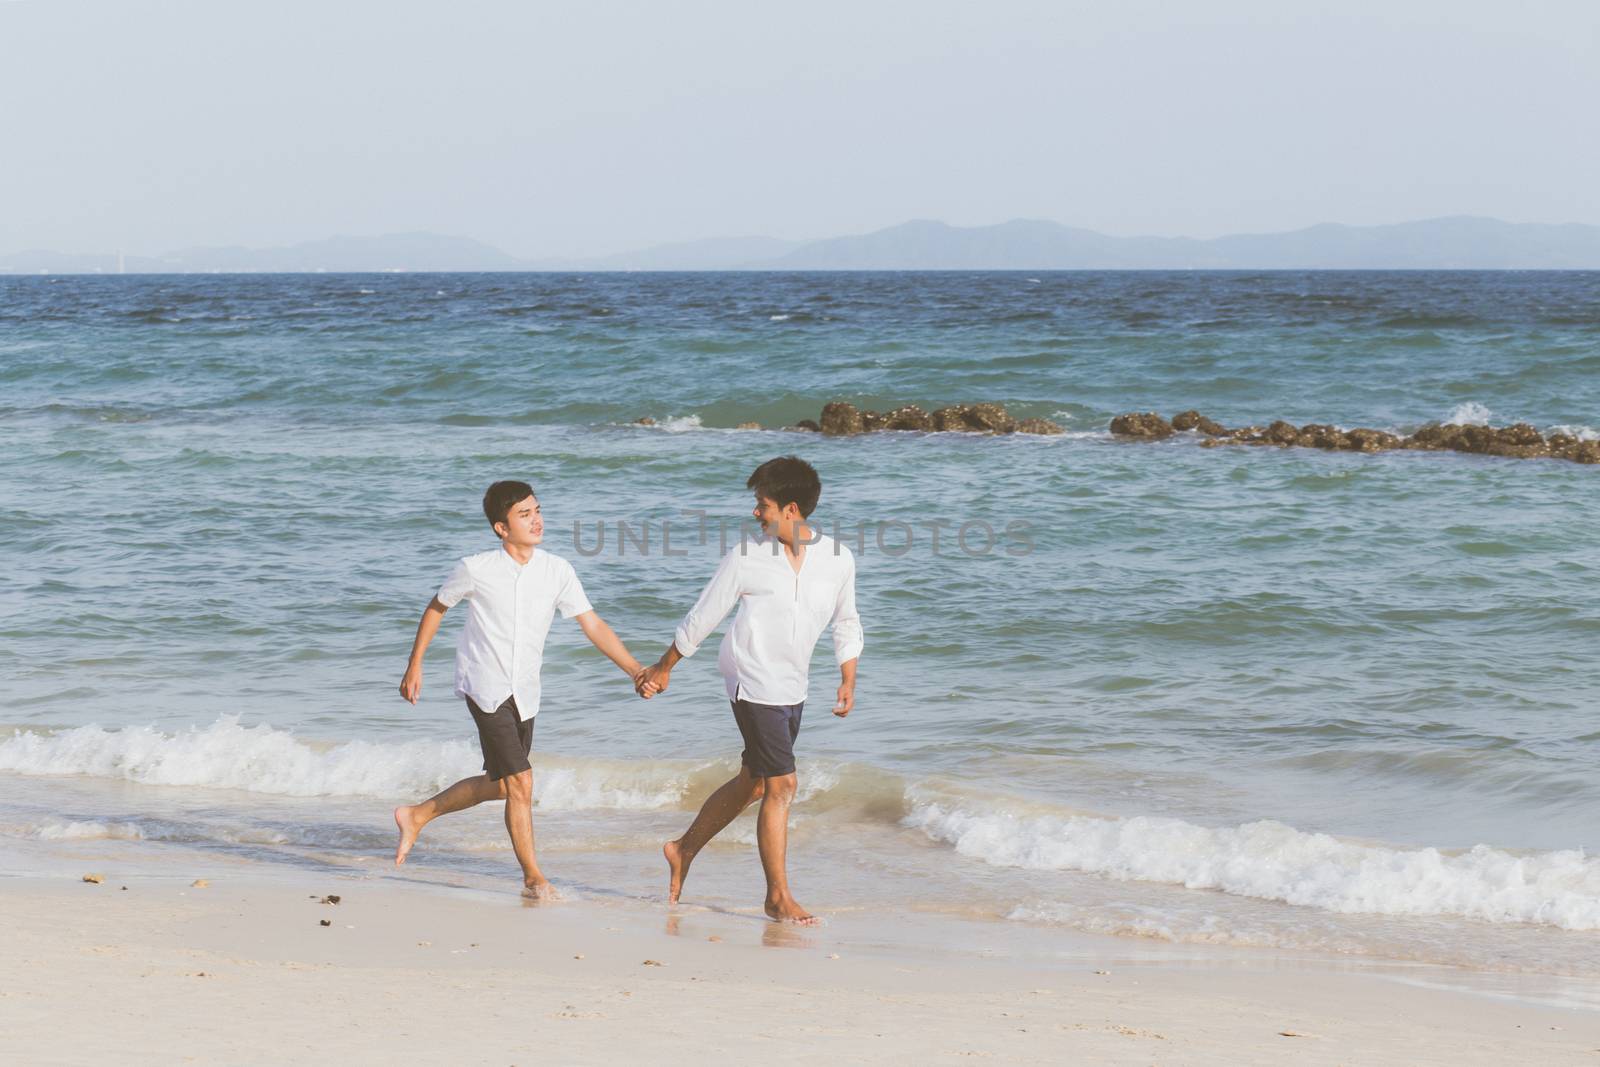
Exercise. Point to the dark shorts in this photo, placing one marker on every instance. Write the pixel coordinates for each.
(504, 737)
(769, 731)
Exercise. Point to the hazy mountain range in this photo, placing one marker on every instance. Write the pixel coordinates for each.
(1455, 243)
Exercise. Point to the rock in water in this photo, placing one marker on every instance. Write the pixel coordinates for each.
(908, 417)
(1147, 425)
(840, 419)
(991, 418)
(807, 425)
(1039, 426)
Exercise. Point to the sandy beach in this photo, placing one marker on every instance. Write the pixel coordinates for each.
(267, 971)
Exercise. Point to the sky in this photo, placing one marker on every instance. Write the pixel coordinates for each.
(589, 127)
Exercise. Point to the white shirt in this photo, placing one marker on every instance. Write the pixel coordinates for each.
(766, 656)
(510, 606)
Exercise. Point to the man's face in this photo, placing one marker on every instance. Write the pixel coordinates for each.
(524, 525)
(776, 521)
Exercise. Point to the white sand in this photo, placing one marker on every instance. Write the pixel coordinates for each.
(243, 972)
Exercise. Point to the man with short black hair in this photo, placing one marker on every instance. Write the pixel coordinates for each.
(789, 585)
(512, 594)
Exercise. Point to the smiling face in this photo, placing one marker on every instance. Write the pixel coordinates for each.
(776, 521)
(523, 525)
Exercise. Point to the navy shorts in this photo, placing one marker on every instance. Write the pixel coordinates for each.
(504, 737)
(769, 731)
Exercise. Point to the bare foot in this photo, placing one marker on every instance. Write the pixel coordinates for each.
(786, 910)
(541, 892)
(408, 832)
(679, 862)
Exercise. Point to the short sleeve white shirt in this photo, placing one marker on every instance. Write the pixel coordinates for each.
(510, 607)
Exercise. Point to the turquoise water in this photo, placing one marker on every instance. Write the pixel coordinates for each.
(1290, 698)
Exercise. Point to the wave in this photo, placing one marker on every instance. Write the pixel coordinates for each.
(1470, 413)
(1582, 433)
(1268, 860)
(263, 759)
(1262, 860)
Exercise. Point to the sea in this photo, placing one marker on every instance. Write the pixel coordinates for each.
(1289, 701)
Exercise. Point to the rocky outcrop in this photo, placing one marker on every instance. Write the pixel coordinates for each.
(1038, 426)
(1147, 424)
(1519, 440)
(842, 420)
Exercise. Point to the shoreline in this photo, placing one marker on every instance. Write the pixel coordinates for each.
(241, 970)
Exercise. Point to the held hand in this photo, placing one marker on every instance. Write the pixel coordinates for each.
(845, 700)
(652, 680)
(411, 684)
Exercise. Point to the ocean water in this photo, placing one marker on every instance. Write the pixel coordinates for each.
(1297, 700)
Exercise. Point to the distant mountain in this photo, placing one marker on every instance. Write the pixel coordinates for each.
(391, 252)
(1459, 242)
(718, 253)
(1455, 243)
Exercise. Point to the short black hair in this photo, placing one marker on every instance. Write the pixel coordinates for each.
(501, 497)
(788, 480)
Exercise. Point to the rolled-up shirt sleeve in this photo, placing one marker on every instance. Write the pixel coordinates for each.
(848, 639)
(716, 600)
(458, 585)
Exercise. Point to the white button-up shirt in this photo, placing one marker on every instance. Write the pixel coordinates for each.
(766, 655)
(510, 606)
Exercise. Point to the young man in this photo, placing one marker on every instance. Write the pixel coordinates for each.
(512, 594)
(788, 585)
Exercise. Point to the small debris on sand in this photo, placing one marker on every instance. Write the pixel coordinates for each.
(579, 956)
(1291, 1033)
(833, 955)
(713, 937)
(96, 879)
(199, 883)
(654, 963)
(424, 944)
(331, 898)
(324, 922)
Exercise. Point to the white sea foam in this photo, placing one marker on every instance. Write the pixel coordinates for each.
(263, 759)
(1582, 433)
(678, 423)
(777, 318)
(1470, 413)
(1271, 861)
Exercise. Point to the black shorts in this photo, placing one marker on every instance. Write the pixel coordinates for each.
(505, 737)
(769, 731)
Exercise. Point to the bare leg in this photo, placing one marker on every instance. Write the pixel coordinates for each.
(411, 818)
(720, 809)
(519, 824)
(772, 837)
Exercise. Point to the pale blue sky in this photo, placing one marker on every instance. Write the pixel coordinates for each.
(588, 127)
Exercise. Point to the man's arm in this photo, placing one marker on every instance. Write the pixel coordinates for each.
(411, 684)
(716, 600)
(848, 641)
(845, 699)
(602, 637)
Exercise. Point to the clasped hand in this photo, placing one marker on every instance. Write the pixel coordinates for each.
(652, 680)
